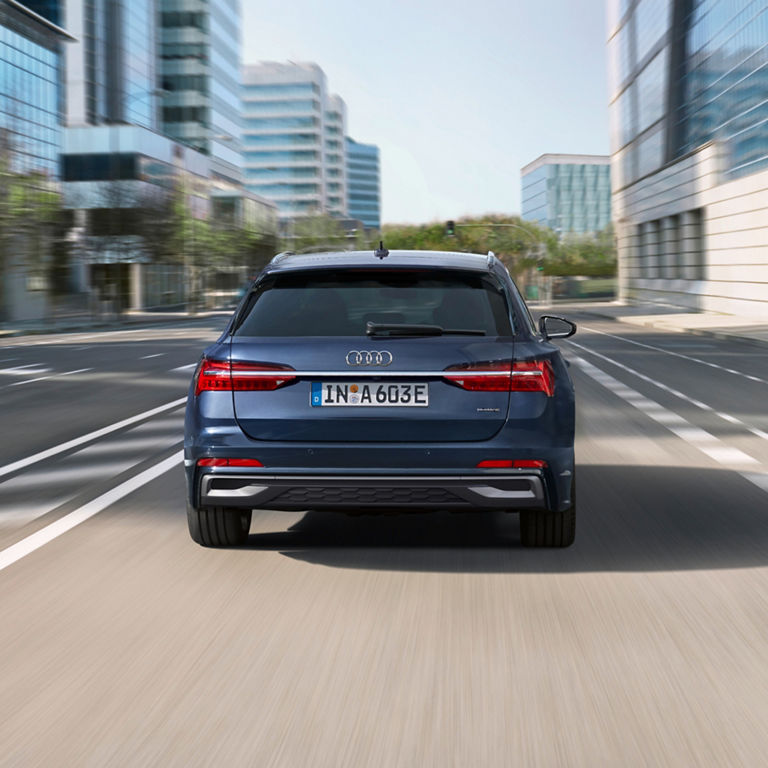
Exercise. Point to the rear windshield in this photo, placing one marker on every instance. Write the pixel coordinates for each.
(336, 304)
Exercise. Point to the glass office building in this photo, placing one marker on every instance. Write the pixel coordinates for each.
(568, 193)
(200, 52)
(293, 139)
(112, 67)
(688, 90)
(48, 9)
(363, 183)
(30, 142)
(30, 92)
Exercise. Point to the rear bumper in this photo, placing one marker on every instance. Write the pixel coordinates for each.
(298, 492)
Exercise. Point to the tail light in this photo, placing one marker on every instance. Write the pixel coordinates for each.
(533, 376)
(523, 376)
(512, 464)
(229, 463)
(225, 376)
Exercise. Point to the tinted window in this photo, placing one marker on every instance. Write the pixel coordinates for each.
(336, 304)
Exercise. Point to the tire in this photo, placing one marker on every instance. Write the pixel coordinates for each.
(218, 526)
(549, 529)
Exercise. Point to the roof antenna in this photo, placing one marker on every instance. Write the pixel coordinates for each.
(381, 252)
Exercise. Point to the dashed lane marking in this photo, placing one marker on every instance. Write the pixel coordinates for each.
(149, 357)
(699, 438)
(703, 406)
(97, 433)
(51, 376)
(678, 354)
(15, 552)
(24, 370)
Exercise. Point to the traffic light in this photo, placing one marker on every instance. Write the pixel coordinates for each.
(450, 228)
(540, 265)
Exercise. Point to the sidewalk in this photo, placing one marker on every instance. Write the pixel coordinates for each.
(84, 322)
(668, 318)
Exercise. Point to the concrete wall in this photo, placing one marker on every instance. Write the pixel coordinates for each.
(689, 238)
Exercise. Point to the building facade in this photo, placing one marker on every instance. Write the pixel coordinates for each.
(30, 90)
(570, 194)
(111, 69)
(30, 141)
(200, 76)
(689, 133)
(363, 183)
(293, 139)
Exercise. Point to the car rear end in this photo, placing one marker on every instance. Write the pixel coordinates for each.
(356, 385)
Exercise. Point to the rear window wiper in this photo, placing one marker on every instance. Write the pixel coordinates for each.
(408, 329)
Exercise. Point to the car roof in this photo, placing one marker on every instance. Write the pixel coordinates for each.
(395, 259)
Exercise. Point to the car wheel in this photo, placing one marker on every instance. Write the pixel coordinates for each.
(549, 529)
(218, 526)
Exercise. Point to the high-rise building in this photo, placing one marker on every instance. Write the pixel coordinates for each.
(363, 183)
(293, 139)
(111, 70)
(689, 133)
(200, 74)
(30, 90)
(568, 193)
(48, 9)
(335, 156)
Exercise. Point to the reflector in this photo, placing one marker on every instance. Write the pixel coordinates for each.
(229, 463)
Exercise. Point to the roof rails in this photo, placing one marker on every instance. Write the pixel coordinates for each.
(280, 256)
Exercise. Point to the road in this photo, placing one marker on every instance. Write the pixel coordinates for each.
(420, 640)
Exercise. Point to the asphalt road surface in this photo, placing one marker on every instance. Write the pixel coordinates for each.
(417, 640)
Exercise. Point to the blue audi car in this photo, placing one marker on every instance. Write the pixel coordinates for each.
(377, 381)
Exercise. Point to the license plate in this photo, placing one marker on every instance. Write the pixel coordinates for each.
(369, 394)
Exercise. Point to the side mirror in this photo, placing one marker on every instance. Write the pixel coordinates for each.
(553, 327)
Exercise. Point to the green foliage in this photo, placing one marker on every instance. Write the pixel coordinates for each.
(520, 244)
(325, 233)
(516, 242)
(591, 255)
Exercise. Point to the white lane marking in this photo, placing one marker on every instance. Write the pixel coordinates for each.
(65, 476)
(185, 368)
(29, 381)
(36, 540)
(8, 359)
(23, 370)
(758, 479)
(699, 438)
(148, 357)
(52, 376)
(677, 354)
(56, 449)
(704, 407)
(132, 447)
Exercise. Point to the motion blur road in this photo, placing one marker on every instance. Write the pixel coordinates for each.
(420, 640)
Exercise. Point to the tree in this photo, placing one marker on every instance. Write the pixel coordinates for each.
(31, 218)
(516, 242)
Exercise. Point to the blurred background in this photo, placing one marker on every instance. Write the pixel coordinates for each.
(149, 161)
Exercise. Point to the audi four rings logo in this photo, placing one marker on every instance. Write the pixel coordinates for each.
(368, 357)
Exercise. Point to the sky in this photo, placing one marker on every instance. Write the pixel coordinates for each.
(458, 96)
